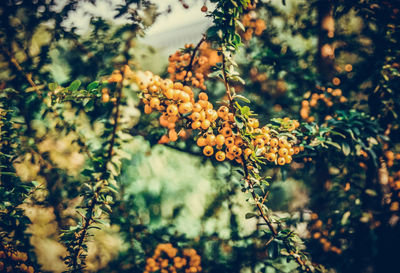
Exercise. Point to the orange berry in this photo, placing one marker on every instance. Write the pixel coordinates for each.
(274, 142)
(153, 88)
(208, 150)
(203, 96)
(196, 124)
(185, 108)
(211, 139)
(238, 141)
(271, 157)
(184, 97)
(147, 109)
(288, 159)
(253, 122)
(205, 124)
(203, 104)
(195, 116)
(154, 102)
(171, 125)
(283, 142)
(173, 136)
(229, 142)
(204, 8)
(283, 152)
(226, 131)
(259, 142)
(230, 156)
(220, 156)
(281, 161)
(172, 110)
(105, 97)
(178, 85)
(170, 93)
(220, 140)
(248, 152)
(197, 107)
(163, 139)
(201, 141)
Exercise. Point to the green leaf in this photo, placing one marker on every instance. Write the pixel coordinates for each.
(250, 215)
(242, 98)
(93, 85)
(74, 85)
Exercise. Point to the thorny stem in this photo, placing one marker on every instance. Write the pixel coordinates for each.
(94, 200)
(190, 65)
(246, 177)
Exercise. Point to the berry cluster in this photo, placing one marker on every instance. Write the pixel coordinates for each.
(322, 235)
(185, 67)
(173, 100)
(219, 134)
(165, 260)
(326, 96)
(18, 259)
(252, 24)
(393, 200)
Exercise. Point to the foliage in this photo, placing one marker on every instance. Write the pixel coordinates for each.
(75, 144)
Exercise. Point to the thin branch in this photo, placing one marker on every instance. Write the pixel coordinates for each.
(251, 184)
(190, 65)
(228, 91)
(94, 200)
(27, 76)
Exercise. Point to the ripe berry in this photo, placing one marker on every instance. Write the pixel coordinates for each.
(173, 136)
(208, 150)
(281, 161)
(147, 109)
(154, 103)
(204, 8)
(220, 156)
(185, 108)
(172, 110)
(203, 96)
(205, 124)
(220, 140)
(274, 142)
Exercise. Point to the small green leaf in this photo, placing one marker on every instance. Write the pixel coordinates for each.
(74, 85)
(93, 85)
(250, 215)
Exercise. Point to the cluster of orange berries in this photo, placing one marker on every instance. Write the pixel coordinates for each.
(274, 88)
(322, 235)
(165, 260)
(391, 157)
(252, 24)
(328, 96)
(393, 180)
(218, 133)
(173, 100)
(267, 143)
(179, 63)
(19, 258)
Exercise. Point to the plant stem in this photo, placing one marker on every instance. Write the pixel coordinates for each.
(94, 199)
(190, 65)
